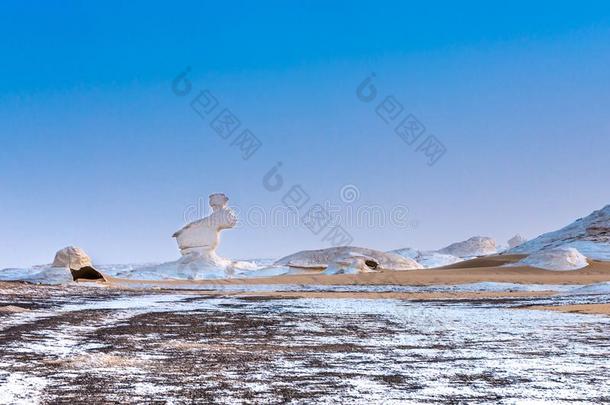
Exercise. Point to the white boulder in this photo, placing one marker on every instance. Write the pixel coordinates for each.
(556, 259)
(72, 257)
(473, 247)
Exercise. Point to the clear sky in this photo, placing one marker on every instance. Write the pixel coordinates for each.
(97, 151)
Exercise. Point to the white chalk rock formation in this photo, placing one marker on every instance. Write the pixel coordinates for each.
(515, 241)
(589, 235)
(72, 257)
(348, 259)
(428, 259)
(473, 247)
(556, 259)
(198, 240)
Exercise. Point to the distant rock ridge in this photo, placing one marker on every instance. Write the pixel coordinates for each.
(590, 235)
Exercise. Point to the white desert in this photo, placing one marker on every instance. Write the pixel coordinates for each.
(402, 326)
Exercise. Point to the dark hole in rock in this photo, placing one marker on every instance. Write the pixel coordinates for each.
(371, 263)
(86, 273)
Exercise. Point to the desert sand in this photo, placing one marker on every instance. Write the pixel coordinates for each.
(591, 309)
(92, 344)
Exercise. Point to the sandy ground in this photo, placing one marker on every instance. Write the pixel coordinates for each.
(486, 269)
(415, 296)
(592, 309)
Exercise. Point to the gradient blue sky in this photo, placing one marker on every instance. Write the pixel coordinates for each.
(96, 151)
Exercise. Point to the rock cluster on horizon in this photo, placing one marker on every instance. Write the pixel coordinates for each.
(473, 247)
(456, 252)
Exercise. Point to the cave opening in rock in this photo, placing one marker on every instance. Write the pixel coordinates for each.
(372, 264)
(86, 273)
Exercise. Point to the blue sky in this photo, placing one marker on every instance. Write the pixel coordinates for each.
(96, 150)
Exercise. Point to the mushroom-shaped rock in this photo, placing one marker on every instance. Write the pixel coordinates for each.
(199, 239)
(197, 242)
(348, 259)
(556, 259)
(473, 247)
(516, 241)
(72, 257)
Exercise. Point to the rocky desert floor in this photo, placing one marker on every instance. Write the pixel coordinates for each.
(81, 344)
